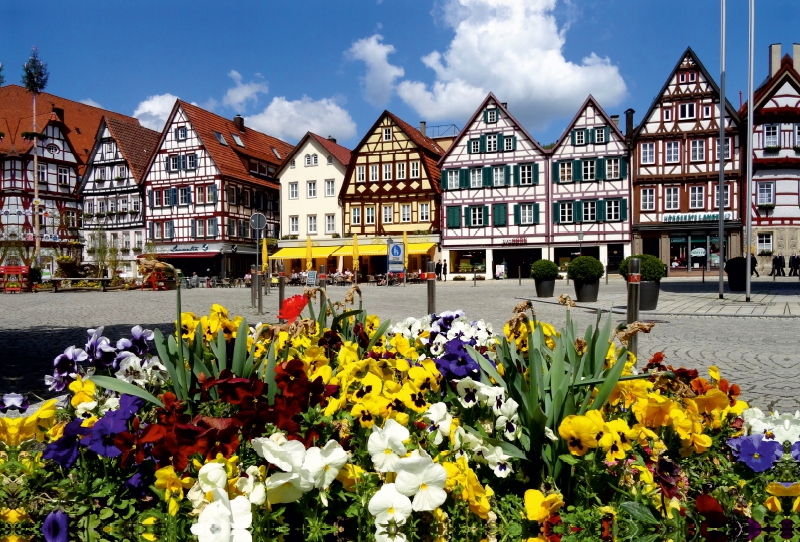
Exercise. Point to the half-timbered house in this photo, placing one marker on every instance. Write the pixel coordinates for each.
(776, 159)
(208, 176)
(391, 186)
(590, 189)
(111, 190)
(68, 130)
(494, 178)
(676, 172)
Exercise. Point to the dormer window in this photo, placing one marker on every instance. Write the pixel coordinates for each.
(109, 148)
(220, 138)
(491, 116)
(276, 153)
(387, 134)
(682, 78)
(237, 140)
(180, 133)
(692, 77)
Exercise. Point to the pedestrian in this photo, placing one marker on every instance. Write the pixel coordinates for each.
(444, 270)
(438, 270)
(753, 264)
(781, 265)
(794, 264)
(774, 271)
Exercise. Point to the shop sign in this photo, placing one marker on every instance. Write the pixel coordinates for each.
(698, 252)
(193, 248)
(696, 217)
(677, 240)
(515, 241)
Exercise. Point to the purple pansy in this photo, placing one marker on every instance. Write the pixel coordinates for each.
(756, 452)
(64, 451)
(14, 401)
(56, 527)
(456, 361)
(99, 349)
(128, 406)
(795, 450)
(101, 438)
(138, 341)
(64, 368)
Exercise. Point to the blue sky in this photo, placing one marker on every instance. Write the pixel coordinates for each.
(333, 66)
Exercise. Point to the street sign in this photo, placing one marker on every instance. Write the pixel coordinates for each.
(311, 279)
(258, 221)
(396, 257)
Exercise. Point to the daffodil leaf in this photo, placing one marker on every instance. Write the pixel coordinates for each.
(240, 349)
(639, 512)
(336, 326)
(486, 365)
(378, 334)
(611, 379)
(169, 359)
(569, 459)
(115, 384)
(269, 373)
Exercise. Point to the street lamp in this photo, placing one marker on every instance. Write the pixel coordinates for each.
(389, 243)
(580, 243)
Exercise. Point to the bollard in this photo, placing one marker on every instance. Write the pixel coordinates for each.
(322, 291)
(634, 285)
(281, 281)
(519, 273)
(431, 278)
(606, 273)
(259, 293)
(253, 289)
(474, 280)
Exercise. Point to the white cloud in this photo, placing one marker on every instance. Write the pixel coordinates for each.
(89, 101)
(238, 96)
(153, 112)
(513, 48)
(379, 81)
(290, 120)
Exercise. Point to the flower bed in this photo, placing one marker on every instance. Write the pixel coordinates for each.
(341, 427)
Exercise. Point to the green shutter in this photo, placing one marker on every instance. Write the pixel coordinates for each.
(486, 116)
(577, 211)
(535, 173)
(194, 229)
(517, 215)
(623, 209)
(454, 217)
(556, 214)
(588, 136)
(499, 214)
(486, 215)
(572, 137)
(500, 146)
(483, 143)
(556, 176)
(535, 213)
(469, 146)
(516, 175)
(507, 175)
(467, 217)
(577, 170)
(513, 143)
(623, 168)
(444, 180)
(463, 178)
(606, 133)
(487, 176)
(600, 169)
(601, 210)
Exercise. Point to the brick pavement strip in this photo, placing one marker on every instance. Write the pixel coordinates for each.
(759, 353)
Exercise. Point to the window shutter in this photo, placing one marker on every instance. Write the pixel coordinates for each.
(487, 176)
(483, 143)
(463, 178)
(173, 196)
(601, 210)
(499, 214)
(588, 136)
(214, 193)
(486, 116)
(600, 169)
(215, 227)
(486, 215)
(449, 215)
(577, 211)
(467, 217)
(623, 209)
(535, 168)
(518, 215)
(194, 229)
(500, 146)
(507, 175)
(513, 143)
(152, 230)
(556, 214)
(166, 163)
(170, 227)
(196, 162)
(535, 213)
(623, 168)
(469, 146)
(176, 133)
(150, 198)
(606, 134)
(189, 191)
(183, 161)
(577, 170)
(516, 175)
(556, 176)
(572, 137)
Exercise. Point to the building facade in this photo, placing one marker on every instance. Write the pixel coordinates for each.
(775, 202)
(207, 177)
(494, 203)
(676, 173)
(590, 190)
(111, 192)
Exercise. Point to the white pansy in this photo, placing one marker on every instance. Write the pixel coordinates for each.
(224, 520)
(550, 434)
(498, 461)
(507, 419)
(419, 477)
(85, 408)
(131, 370)
(283, 487)
(212, 476)
(287, 455)
(780, 427)
(385, 445)
(437, 345)
(440, 422)
(323, 464)
(493, 396)
(109, 404)
(389, 504)
(196, 496)
(252, 486)
(468, 392)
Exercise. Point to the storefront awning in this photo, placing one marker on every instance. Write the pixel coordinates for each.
(419, 248)
(171, 255)
(299, 253)
(363, 250)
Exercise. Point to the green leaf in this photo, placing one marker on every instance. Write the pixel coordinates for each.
(569, 459)
(487, 366)
(240, 349)
(106, 513)
(378, 334)
(269, 373)
(222, 346)
(507, 447)
(337, 321)
(168, 359)
(649, 538)
(121, 386)
(639, 512)
(612, 377)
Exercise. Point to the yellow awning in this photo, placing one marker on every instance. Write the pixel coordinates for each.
(299, 253)
(363, 250)
(420, 248)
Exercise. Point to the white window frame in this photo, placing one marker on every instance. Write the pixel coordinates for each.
(476, 177)
(692, 77)
(764, 243)
(476, 216)
(361, 174)
(672, 152)
(589, 169)
(667, 114)
(698, 150)
(200, 195)
(388, 214)
(727, 148)
(589, 211)
(387, 172)
(797, 135)
(183, 195)
(330, 223)
(405, 213)
(123, 204)
(311, 189)
(293, 163)
(415, 169)
(294, 191)
(772, 139)
(210, 225)
(600, 135)
(491, 142)
(63, 175)
(369, 215)
(330, 188)
(697, 197)
(648, 199)
(329, 160)
(387, 134)
(491, 116)
(476, 146)
(508, 144)
(355, 214)
(138, 239)
(101, 206)
(182, 133)
(613, 210)
(707, 111)
(401, 171)
(109, 148)
(682, 78)
(200, 226)
(687, 111)
(373, 172)
(135, 204)
(314, 159)
(526, 214)
(672, 198)
(612, 169)
(157, 229)
(101, 176)
(499, 176)
(580, 137)
(727, 196)
(191, 161)
(89, 209)
(424, 212)
(760, 193)
(648, 153)
(307, 161)
(311, 222)
(175, 162)
(122, 171)
(565, 172)
(565, 215)
(452, 179)
(526, 175)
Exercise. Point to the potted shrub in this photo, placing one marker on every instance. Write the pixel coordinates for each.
(544, 273)
(736, 269)
(586, 271)
(652, 271)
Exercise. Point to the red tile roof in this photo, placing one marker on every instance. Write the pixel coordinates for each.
(136, 143)
(81, 121)
(231, 159)
(340, 153)
(786, 71)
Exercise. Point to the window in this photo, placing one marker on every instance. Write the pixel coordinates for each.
(101, 206)
(599, 135)
(387, 134)
(766, 193)
(692, 77)
(330, 223)
(122, 171)
(565, 172)
(491, 143)
(707, 111)
(452, 179)
(388, 214)
(727, 196)
(588, 170)
(498, 175)
(764, 242)
(356, 216)
(174, 163)
(771, 135)
(360, 174)
(589, 211)
(101, 173)
(112, 206)
(475, 177)
(292, 163)
(183, 196)
(387, 172)
(244, 229)
(580, 138)
(276, 153)
(415, 170)
(329, 159)
(648, 153)
(405, 213)
(294, 225)
(314, 159)
(220, 138)
(90, 207)
(673, 152)
(180, 133)
(231, 227)
(612, 210)
(526, 213)
(311, 187)
(109, 148)
(201, 227)
(42, 176)
(308, 160)
(373, 173)
(312, 224)
(157, 229)
(686, 111)
(612, 168)
(508, 144)
(191, 161)
(696, 194)
(565, 212)
(71, 219)
(424, 212)
(330, 188)
(200, 195)
(401, 170)
(237, 140)
(293, 191)
(63, 175)
(157, 198)
(476, 216)
(369, 215)
(475, 146)
(526, 174)
(135, 204)
(667, 114)
(727, 148)
(648, 199)
(797, 135)
(246, 198)
(491, 115)
(123, 205)
(138, 239)
(682, 78)
(211, 227)
(698, 150)
(672, 199)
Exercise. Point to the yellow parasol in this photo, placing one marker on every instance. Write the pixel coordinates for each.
(355, 254)
(309, 255)
(405, 251)
(264, 255)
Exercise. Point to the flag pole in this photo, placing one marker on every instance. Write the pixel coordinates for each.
(721, 151)
(749, 193)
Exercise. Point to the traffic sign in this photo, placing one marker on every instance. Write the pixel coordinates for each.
(258, 221)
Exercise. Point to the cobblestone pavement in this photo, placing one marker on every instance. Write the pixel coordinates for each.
(758, 353)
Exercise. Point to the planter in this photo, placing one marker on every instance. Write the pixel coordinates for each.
(648, 294)
(586, 292)
(736, 269)
(544, 288)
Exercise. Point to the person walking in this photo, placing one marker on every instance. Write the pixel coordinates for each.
(774, 271)
(444, 270)
(781, 265)
(793, 265)
(438, 270)
(753, 264)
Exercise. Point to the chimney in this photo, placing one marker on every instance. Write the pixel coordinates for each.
(774, 58)
(615, 120)
(59, 111)
(629, 123)
(796, 56)
(422, 125)
(332, 139)
(238, 121)
(504, 104)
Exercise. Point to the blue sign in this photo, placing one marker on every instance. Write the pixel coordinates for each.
(397, 251)
(396, 257)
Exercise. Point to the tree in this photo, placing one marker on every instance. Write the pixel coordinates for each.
(34, 79)
(2, 79)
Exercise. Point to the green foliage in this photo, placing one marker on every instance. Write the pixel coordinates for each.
(34, 73)
(585, 269)
(544, 270)
(35, 275)
(652, 268)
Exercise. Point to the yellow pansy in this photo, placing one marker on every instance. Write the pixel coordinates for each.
(580, 432)
(172, 484)
(713, 372)
(189, 323)
(780, 490)
(365, 413)
(349, 475)
(83, 391)
(773, 504)
(425, 376)
(13, 515)
(538, 507)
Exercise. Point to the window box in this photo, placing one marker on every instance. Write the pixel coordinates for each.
(796, 149)
(772, 148)
(119, 178)
(137, 249)
(765, 253)
(335, 236)
(766, 206)
(87, 216)
(90, 250)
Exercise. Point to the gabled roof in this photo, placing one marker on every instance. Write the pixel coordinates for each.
(342, 154)
(80, 124)
(136, 143)
(415, 135)
(688, 52)
(589, 101)
(478, 111)
(785, 73)
(231, 159)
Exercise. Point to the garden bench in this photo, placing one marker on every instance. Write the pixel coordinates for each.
(103, 281)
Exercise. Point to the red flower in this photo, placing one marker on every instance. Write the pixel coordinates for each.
(656, 362)
(172, 412)
(235, 390)
(292, 308)
(709, 507)
(548, 529)
(291, 378)
(132, 443)
(221, 436)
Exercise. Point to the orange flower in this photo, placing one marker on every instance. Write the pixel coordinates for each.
(292, 308)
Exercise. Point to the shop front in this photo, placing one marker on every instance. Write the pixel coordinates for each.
(221, 260)
(506, 262)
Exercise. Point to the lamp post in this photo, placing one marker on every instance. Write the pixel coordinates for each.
(389, 244)
(580, 243)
